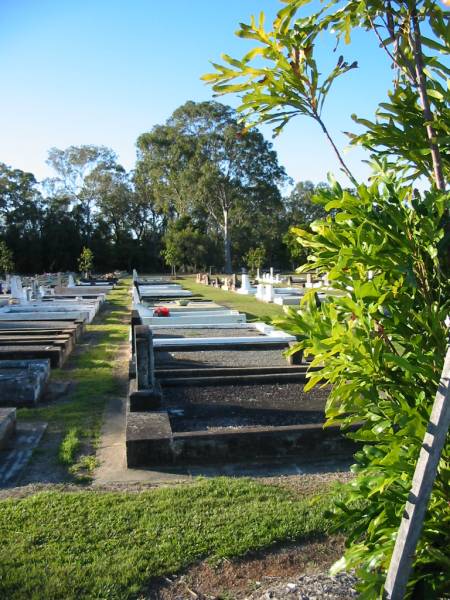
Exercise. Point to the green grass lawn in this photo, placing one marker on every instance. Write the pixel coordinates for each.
(92, 371)
(254, 309)
(90, 544)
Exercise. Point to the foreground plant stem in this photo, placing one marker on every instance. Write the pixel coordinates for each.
(336, 151)
(416, 47)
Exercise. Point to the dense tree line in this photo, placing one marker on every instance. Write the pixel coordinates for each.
(204, 193)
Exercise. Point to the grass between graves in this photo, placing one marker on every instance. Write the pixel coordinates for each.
(92, 371)
(253, 308)
(111, 544)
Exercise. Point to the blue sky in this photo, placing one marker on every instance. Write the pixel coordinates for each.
(104, 71)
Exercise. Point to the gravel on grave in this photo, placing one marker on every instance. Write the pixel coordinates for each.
(205, 332)
(236, 406)
(221, 358)
(309, 587)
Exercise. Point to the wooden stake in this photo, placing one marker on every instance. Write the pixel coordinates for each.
(422, 486)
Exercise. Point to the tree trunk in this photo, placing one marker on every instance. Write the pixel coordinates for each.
(226, 242)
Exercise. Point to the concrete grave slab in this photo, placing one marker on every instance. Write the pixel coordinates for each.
(7, 425)
(270, 337)
(15, 457)
(73, 327)
(22, 382)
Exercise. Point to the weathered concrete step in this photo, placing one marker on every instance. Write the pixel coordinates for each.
(164, 345)
(7, 425)
(35, 333)
(234, 379)
(57, 315)
(225, 371)
(53, 353)
(65, 341)
(72, 324)
(65, 346)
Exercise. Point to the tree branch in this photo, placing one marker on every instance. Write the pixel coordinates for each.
(338, 154)
(416, 47)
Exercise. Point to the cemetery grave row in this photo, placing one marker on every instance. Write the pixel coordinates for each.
(206, 386)
(268, 287)
(41, 320)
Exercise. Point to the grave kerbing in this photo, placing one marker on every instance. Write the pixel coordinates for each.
(145, 392)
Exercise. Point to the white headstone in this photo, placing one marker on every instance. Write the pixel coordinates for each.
(260, 291)
(268, 293)
(271, 273)
(71, 282)
(135, 275)
(245, 283)
(16, 288)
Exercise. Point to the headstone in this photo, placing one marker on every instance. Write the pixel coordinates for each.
(36, 292)
(135, 275)
(260, 291)
(258, 275)
(245, 285)
(71, 281)
(269, 293)
(17, 291)
(271, 273)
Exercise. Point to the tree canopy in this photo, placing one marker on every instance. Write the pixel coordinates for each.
(202, 164)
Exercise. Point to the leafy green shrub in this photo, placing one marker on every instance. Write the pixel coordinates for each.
(86, 261)
(255, 257)
(381, 343)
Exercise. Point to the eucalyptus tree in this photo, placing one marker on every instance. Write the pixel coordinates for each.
(113, 194)
(381, 341)
(22, 210)
(300, 208)
(75, 186)
(201, 163)
(20, 199)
